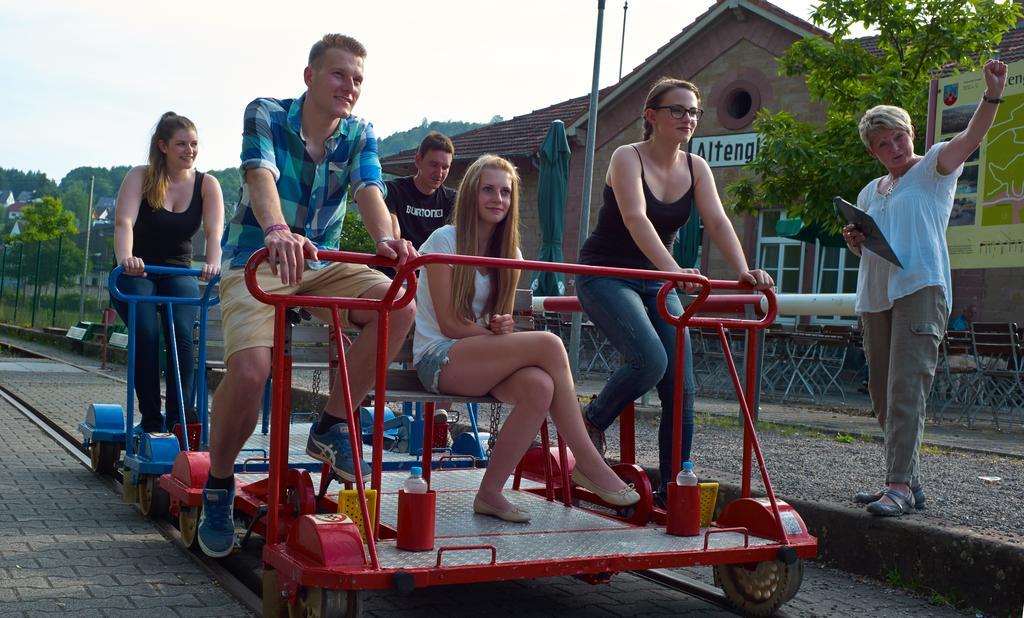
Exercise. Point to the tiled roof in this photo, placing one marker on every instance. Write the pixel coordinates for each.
(523, 135)
(518, 137)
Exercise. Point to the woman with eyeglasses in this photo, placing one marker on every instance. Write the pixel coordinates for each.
(650, 190)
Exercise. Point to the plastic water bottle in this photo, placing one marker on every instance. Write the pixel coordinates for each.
(686, 475)
(415, 483)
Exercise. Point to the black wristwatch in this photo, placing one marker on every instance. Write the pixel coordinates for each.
(992, 100)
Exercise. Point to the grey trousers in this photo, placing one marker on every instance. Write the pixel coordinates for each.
(902, 348)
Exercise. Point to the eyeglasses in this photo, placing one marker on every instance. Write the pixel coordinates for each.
(678, 111)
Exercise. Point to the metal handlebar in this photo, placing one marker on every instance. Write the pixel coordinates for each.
(670, 279)
(740, 299)
(390, 302)
(203, 300)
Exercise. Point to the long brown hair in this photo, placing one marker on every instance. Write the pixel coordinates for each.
(156, 182)
(504, 242)
(657, 91)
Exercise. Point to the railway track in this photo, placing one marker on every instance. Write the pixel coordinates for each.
(239, 574)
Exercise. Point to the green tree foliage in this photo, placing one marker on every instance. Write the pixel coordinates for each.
(230, 184)
(18, 181)
(354, 236)
(74, 188)
(800, 167)
(108, 180)
(44, 220)
(405, 140)
(42, 225)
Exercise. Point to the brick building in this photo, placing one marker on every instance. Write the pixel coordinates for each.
(730, 53)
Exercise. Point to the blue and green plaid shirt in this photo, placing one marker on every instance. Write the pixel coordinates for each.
(314, 195)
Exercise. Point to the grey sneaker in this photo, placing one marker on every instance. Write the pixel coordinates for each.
(333, 447)
(867, 497)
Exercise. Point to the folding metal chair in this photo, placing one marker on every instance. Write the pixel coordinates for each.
(956, 377)
(996, 348)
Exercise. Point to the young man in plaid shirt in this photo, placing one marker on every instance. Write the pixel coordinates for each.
(302, 159)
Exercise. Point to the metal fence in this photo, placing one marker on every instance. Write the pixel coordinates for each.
(54, 283)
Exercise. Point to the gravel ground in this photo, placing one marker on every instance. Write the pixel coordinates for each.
(812, 466)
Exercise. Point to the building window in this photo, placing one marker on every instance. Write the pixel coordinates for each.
(739, 105)
(781, 257)
(837, 274)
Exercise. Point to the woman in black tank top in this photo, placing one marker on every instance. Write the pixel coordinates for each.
(651, 190)
(159, 208)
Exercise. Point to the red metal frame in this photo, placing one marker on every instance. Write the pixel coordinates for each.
(335, 567)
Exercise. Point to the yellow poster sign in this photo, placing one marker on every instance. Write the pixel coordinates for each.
(986, 228)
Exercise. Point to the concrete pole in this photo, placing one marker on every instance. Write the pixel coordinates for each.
(85, 265)
(588, 175)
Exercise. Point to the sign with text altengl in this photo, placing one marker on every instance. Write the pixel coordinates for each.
(986, 228)
(726, 150)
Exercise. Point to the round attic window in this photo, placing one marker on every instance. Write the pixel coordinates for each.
(740, 104)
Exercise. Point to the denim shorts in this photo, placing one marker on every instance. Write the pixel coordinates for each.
(429, 367)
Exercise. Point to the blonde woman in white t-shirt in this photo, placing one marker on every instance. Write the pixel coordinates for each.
(465, 345)
(904, 310)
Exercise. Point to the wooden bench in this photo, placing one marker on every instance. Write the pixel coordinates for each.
(311, 348)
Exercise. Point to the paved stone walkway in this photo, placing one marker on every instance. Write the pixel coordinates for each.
(68, 545)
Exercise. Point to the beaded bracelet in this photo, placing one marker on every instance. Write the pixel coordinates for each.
(276, 227)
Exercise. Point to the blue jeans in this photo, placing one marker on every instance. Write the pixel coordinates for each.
(147, 344)
(626, 311)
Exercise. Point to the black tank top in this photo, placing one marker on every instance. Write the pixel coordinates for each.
(164, 238)
(610, 244)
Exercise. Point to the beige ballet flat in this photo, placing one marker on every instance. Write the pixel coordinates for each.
(624, 497)
(514, 515)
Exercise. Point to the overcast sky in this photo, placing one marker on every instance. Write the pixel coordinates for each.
(85, 82)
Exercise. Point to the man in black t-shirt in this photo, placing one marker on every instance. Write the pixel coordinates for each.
(421, 203)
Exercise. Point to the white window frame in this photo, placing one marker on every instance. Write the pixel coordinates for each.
(762, 241)
(844, 270)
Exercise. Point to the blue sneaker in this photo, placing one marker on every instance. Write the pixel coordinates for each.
(333, 447)
(216, 533)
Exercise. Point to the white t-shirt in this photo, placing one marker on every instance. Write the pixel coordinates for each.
(914, 219)
(428, 331)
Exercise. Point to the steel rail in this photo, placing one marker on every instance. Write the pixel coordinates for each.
(227, 577)
(232, 575)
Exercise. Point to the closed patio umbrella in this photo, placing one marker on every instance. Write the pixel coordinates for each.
(552, 188)
(687, 244)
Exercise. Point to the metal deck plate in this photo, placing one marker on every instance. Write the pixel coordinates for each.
(555, 532)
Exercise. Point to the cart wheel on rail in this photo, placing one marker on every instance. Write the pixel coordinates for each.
(320, 603)
(129, 490)
(759, 589)
(188, 524)
(153, 499)
(274, 602)
(104, 456)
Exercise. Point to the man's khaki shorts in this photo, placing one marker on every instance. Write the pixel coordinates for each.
(248, 323)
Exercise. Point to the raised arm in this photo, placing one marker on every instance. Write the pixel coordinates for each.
(129, 198)
(967, 141)
(719, 228)
(213, 225)
(624, 179)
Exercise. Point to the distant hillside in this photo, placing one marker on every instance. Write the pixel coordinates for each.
(73, 189)
(404, 140)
